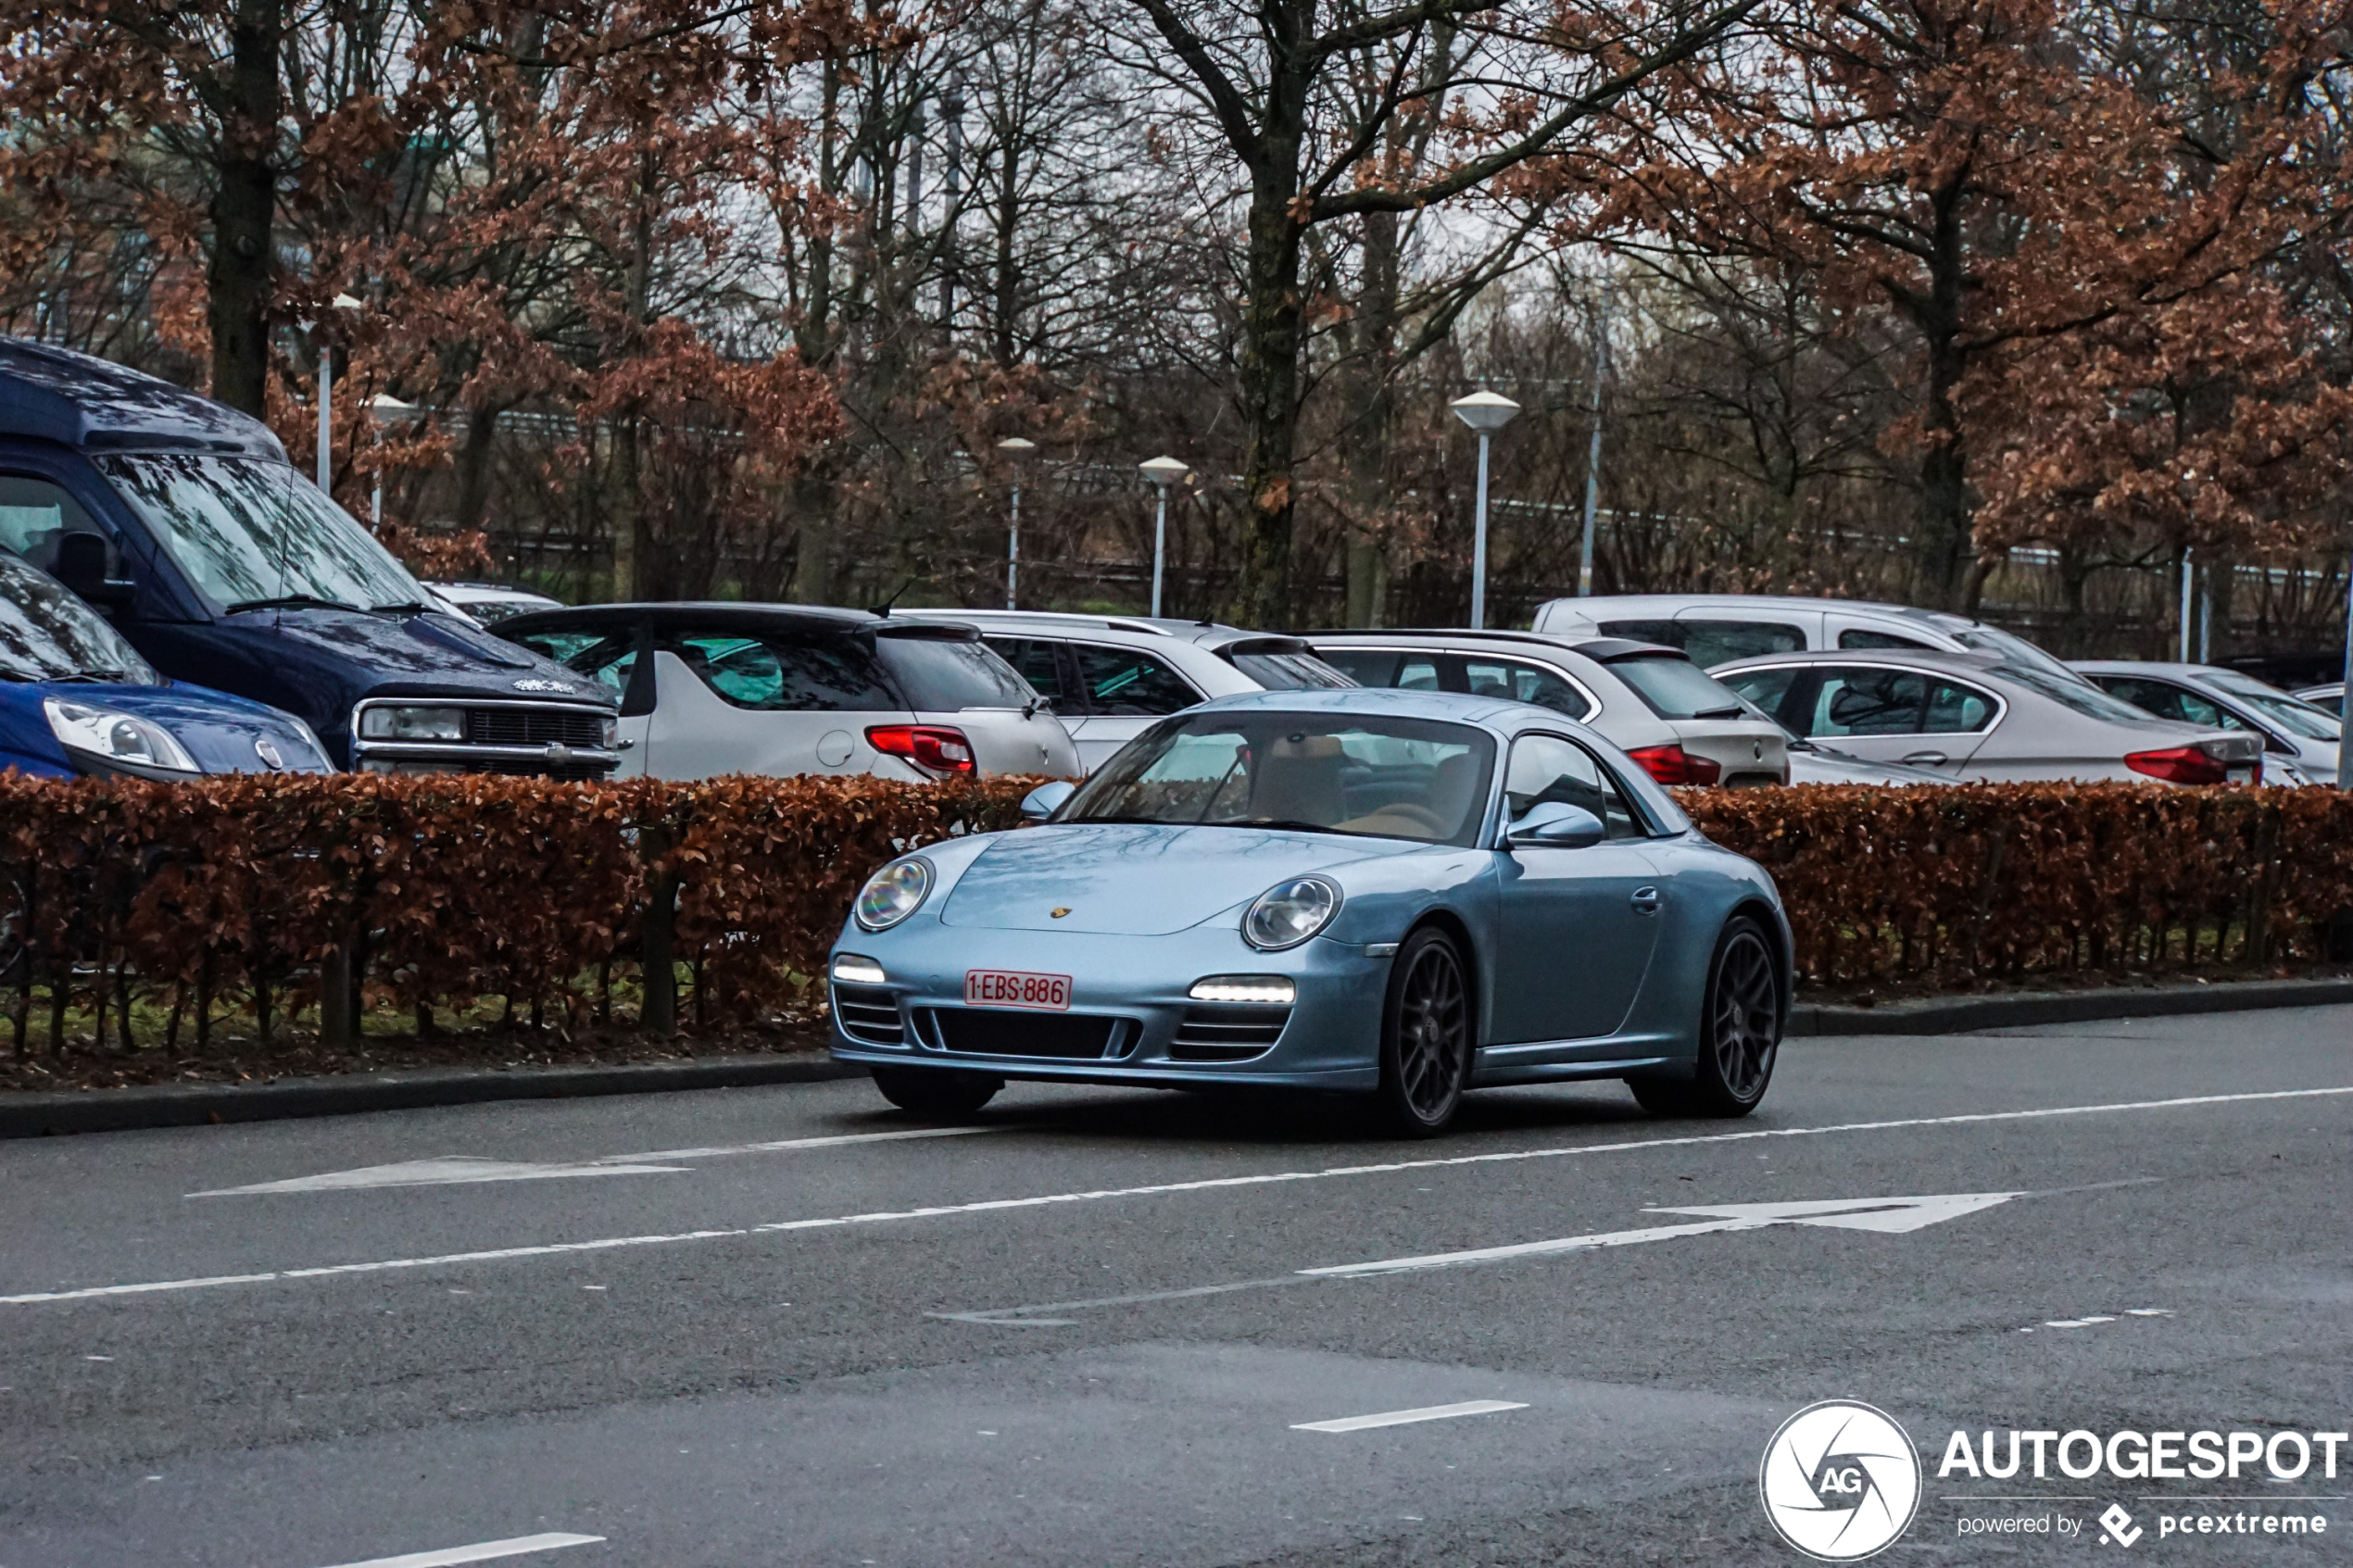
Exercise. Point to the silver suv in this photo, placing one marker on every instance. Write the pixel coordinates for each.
(1110, 677)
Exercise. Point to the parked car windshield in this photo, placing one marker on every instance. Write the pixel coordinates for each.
(1291, 672)
(1978, 637)
(2073, 691)
(253, 533)
(1329, 772)
(48, 635)
(946, 674)
(1676, 688)
(2297, 718)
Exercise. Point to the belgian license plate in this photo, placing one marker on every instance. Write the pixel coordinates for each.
(2243, 774)
(1013, 988)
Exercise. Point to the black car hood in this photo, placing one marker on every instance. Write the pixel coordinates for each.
(428, 653)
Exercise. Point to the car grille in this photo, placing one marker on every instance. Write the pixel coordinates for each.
(1228, 1034)
(533, 726)
(1002, 1032)
(868, 1015)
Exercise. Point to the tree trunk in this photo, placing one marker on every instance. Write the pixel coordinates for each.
(1371, 420)
(473, 467)
(243, 210)
(1266, 386)
(1946, 544)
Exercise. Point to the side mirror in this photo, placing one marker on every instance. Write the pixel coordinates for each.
(1046, 799)
(1556, 824)
(81, 567)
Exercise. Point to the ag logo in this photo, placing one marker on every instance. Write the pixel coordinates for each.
(1840, 1481)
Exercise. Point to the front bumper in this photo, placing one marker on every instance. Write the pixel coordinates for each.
(1151, 1033)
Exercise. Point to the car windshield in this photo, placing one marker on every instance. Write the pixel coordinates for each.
(1329, 772)
(949, 674)
(1676, 688)
(253, 533)
(2297, 718)
(2071, 691)
(47, 634)
(1291, 672)
(1978, 637)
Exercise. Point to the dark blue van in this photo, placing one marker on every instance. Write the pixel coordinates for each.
(181, 521)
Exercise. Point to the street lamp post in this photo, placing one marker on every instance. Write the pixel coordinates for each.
(1161, 472)
(1014, 447)
(384, 409)
(2345, 729)
(1593, 454)
(1485, 412)
(327, 398)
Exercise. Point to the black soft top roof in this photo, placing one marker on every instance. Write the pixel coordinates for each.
(53, 395)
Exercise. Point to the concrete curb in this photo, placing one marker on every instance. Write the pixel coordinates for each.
(189, 1105)
(1956, 1015)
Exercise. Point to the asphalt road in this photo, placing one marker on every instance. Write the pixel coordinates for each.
(613, 1332)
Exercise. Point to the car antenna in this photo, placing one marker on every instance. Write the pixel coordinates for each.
(883, 609)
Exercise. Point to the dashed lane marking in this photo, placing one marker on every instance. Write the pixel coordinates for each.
(1406, 1418)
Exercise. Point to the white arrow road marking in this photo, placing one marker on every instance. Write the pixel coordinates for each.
(1405, 1418)
(1894, 1215)
(484, 1552)
(1157, 1189)
(459, 1169)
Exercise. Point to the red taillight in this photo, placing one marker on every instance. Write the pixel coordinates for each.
(2180, 765)
(1673, 765)
(932, 748)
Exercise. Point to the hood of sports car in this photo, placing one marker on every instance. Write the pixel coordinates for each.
(1139, 879)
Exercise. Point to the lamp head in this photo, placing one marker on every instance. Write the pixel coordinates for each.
(1015, 446)
(1485, 412)
(1162, 471)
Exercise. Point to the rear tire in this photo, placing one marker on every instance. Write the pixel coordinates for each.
(939, 1094)
(1426, 1037)
(1740, 1032)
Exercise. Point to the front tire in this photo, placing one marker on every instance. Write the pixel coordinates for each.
(939, 1094)
(1740, 1032)
(1426, 1037)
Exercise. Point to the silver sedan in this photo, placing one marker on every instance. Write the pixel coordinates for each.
(2299, 739)
(1982, 718)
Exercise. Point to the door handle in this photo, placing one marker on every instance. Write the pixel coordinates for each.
(1646, 900)
(1927, 759)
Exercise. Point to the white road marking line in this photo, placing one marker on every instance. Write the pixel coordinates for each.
(2148, 1311)
(483, 1551)
(1163, 1189)
(1405, 1418)
(464, 1169)
(2077, 1323)
(1888, 1214)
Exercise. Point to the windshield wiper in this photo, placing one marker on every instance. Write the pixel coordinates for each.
(1280, 823)
(84, 677)
(402, 609)
(292, 601)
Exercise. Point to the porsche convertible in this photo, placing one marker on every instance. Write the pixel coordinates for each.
(1392, 893)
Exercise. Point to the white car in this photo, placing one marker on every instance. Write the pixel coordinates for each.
(1717, 628)
(1111, 678)
(712, 689)
(2329, 698)
(485, 604)
(1651, 702)
(2294, 732)
(1974, 717)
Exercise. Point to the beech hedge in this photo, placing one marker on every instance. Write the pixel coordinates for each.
(706, 905)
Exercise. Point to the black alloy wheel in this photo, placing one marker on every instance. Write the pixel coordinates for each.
(1740, 1033)
(1426, 1035)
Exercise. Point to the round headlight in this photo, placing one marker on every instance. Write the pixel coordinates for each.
(1289, 912)
(893, 893)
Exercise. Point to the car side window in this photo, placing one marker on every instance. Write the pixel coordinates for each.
(1367, 667)
(768, 675)
(2166, 700)
(35, 515)
(1769, 689)
(1546, 767)
(605, 658)
(1956, 709)
(1666, 634)
(1516, 682)
(1038, 662)
(1870, 702)
(1127, 683)
(1711, 642)
(1858, 637)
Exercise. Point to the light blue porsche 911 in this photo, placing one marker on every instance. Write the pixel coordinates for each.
(1387, 893)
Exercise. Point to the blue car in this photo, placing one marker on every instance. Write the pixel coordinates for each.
(1387, 893)
(76, 699)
